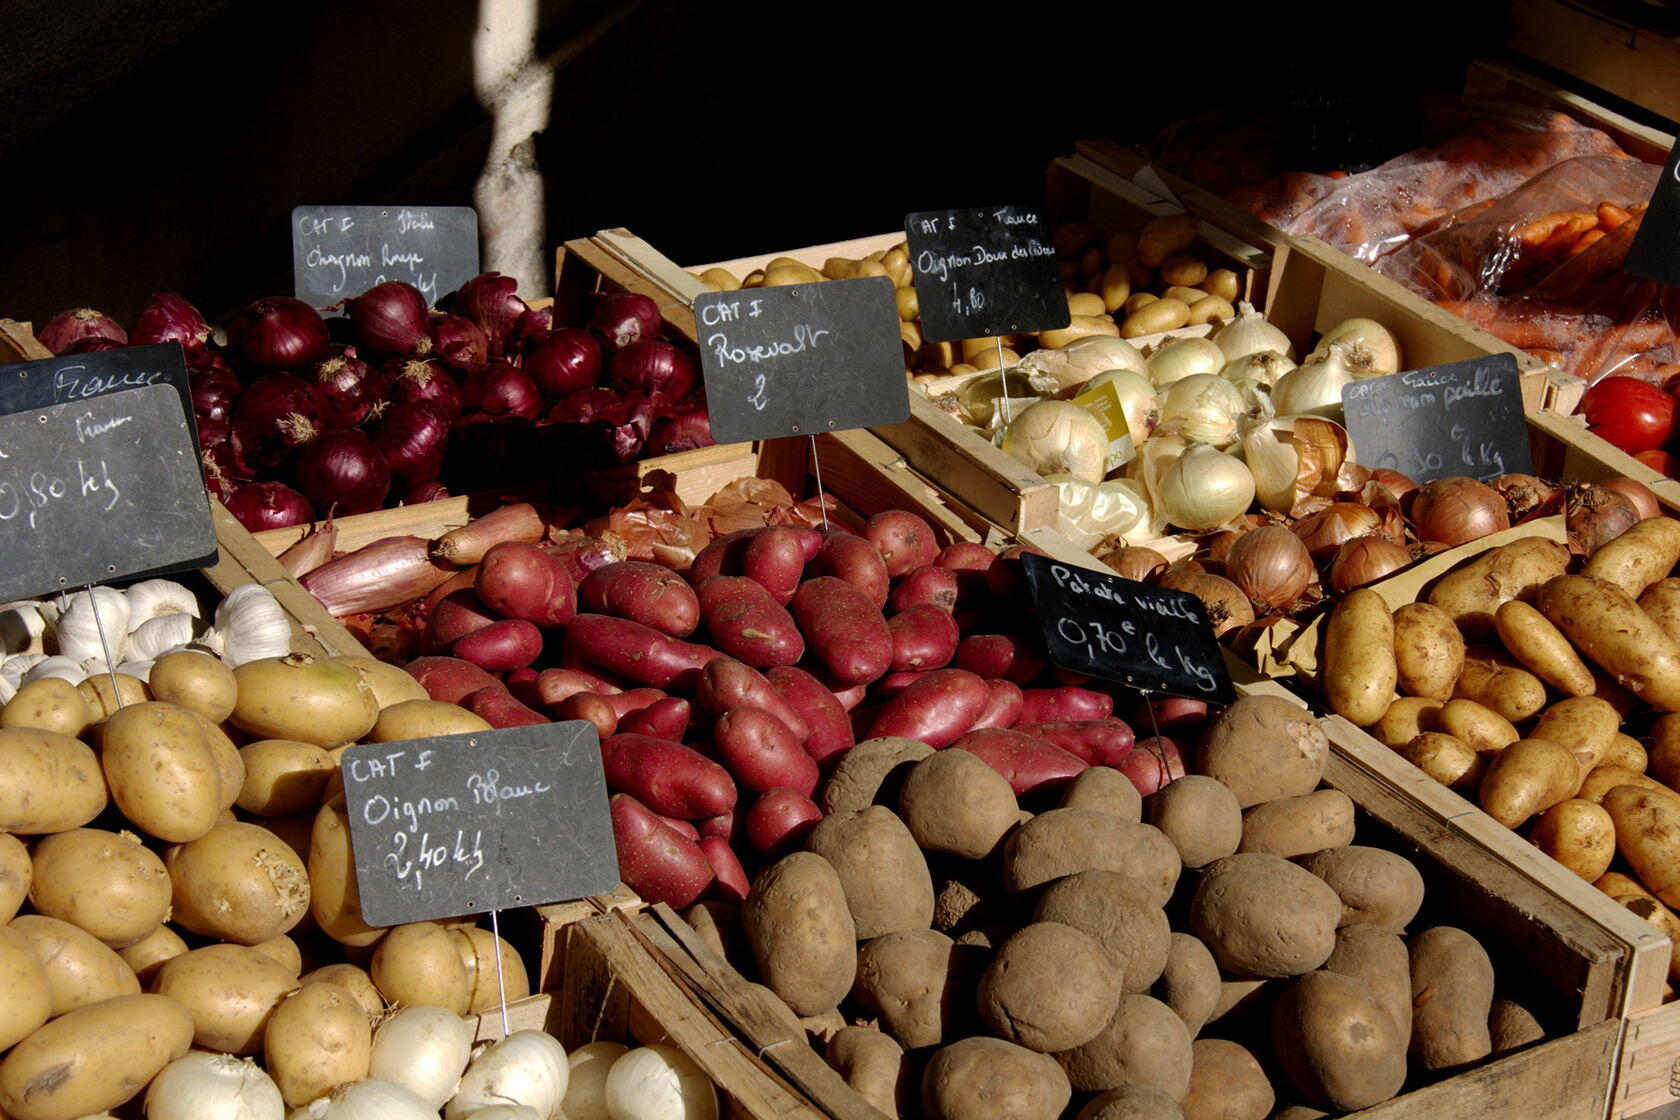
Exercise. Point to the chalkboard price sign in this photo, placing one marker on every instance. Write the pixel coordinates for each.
(1463, 418)
(98, 489)
(480, 821)
(1148, 637)
(342, 251)
(1655, 252)
(984, 272)
(802, 358)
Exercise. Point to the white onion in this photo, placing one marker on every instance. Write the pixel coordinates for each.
(1315, 387)
(526, 1067)
(371, 1099)
(1078, 362)
(1369, 348)
(1265, 367)
(1181, 357)
(423, 1049)
(659, 1083)
(1137, 400)
(198, 1085)
(1203, 408)
(586, 1091)
(1058, 437)
(1204, 490)
(1250, 333)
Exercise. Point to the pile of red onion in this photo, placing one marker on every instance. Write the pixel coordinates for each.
(300, 416)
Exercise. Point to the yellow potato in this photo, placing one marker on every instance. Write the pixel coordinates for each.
(49, 704)
(1605, 623)
(1527, 778)
(1639, 557)
(1183, 294)
(25, 992)
(897, 260)
(1637, 900)
(390, 684)
(1086, 303)
(1406, 719)
(486, 991)
(1428, 651)
(334, 901)
(1579, 835)
(992, 359)
(60, 1073)
(107, 883)
(317, 1039)
(790, 272)
(425, 963)
(420, 719)
(354, 980)
(1082, 326)
(1359, 668)
(909, 307)
(1513, 693)
(1542, 648)
(284, 776)
(163, 773)
(230, 765)
(49, 782)
(1222, 282)
(1115, 288)
(195, 681)
(298, 697)
(16, 874)
(1163, 237)
(1183, 270)
(1210, 309)
(148, 954)
(1446, 759)
(1137, 301)
(1472, 593)
(1628, 753)
(719, 280)
(1155, 317)
(80, 969)
(1092, 262)
(102, 699)
(1648, 837)
(1583, 725)
(284, 951)
(1661, 601)
(1602, 779)
(239, 882)
(753, 279)
(230, 991)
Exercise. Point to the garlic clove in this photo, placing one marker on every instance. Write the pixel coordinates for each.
(92, 624)
(59, 666)
(155, 635)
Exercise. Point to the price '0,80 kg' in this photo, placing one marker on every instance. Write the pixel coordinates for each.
(434, 857)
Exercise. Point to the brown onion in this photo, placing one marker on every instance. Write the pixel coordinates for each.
(1271, 566)
(1228, 608)
(1325, 531)
(1458, 510)
(1643, 499)
(1134, 563)
(1523, 493)
(1596, 515)
(1393, 481)
(1365, 560)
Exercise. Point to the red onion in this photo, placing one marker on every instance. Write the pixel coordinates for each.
(90, 344)
(229, 460)
(208, 363)
(458, 341)
(268, 505)
(170, 319)
(654, 367)
(581, 407)
(563, 361)
(583, 554)
(428, 491)
(629, 423)
(221, 487)
(501, 389)
(212, 429)
(344, 472)
(683, 427)
(491, 301)
(349, 386)
(625, 317)
(277, 415)
(487, 451)
(76, 324)
(412, 436)
(533, 324)
(278, 333)
(212, 396)
(389, 319)
(427, 382)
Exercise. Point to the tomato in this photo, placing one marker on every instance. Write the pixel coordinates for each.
(1631, 414)
(1660, 461)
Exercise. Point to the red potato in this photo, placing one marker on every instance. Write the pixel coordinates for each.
(937, 710)
(654, 860)
(526, 675)
(588, 706)
(455, 616)
(923, 637)
(844, 629)
(1006, 579)
(1153, 763)
(854, 560)
(1053, 705)
(1003, 706)
(1176, 716)
(1101, 742)
(775, 559)
(511, 643)
(523, 684)
(635, 652)
(554, 685)
(726, 826)
(850, 696)
(669, 778)
(780, 820)
(745, 622)
(723, 556)
(762, 753)
(726, 684)
(521, 581)
(829, 732)
(894, 683)
(994, 656)
(904, 540)
(498, 707)
(462, 580)
(449, 679)
(1068, 676)
(663, 719)
(1029, 764)
(965, 556)
(645, 593)
(682, 826)
(730, 877)
(930, 585)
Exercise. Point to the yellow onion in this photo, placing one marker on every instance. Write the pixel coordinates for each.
(1204, 408)
(1250, 333)
(1058, 437)
(1181, 357)
(1369, 348)
(1138, 400)
(1204, 489)
(1458, 510)
(1135, 563)
(1365, 560)
(1323, 532)
(1078, 362)
(1270, 565)
(1228, 608)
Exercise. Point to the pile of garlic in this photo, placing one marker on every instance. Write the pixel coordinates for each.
(78, 634)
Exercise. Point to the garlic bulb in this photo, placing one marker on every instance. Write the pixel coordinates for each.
(514, 1112)
(1202, 408)
(1314, 388)
(15, 666)
(198, 1085)
(155, 598)
(370, 1099)
(1137, 400)
(1250, 333)
(251, 625)
(156, 635)
(78, 630)
(64, 668)
(1058, 437)
(141, 670)
(1178, 359)
(526, 1067)
(1078, 362)
(1265, 367)
(1204, 489)
(1368, 347)
(8, 689)
(22, 629)
(1273, 462)
(659, 1083)
(423, 1049)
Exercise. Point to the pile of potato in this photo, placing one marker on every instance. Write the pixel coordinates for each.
(176, 872)
(1545, 686)
(1217, 949)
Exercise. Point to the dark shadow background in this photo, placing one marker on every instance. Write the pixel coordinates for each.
(162, 145)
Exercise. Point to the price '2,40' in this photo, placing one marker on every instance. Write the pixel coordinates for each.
(434, 857)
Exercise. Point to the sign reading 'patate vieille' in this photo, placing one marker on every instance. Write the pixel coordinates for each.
(1460, 419)
(802, 358)
(342, 251)
(1118, 629)
(984, 272)
(480, 821)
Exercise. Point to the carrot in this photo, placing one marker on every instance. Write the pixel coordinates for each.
(1563, 238)
(1585, 241)
(1610, 215)
(1534, 233)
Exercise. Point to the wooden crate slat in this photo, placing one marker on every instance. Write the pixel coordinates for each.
(1634, 64)
(999, 487)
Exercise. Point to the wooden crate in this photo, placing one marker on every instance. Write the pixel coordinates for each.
(1505, 81)
(1607, 51)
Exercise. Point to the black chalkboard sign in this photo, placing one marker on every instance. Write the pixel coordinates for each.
(341, 251)
(80, 377)
(1463, 418)
(481, 821)
(1655, 252)
(1151, 638)
(802, 358)
(100, 489)
(985, 272)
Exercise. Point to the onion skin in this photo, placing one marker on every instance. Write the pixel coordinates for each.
(376, 577)
(1644, 501)
(278, 333)
(170, 319)
(1271, 566)
(1458, 510)
(1144, 565)
(1228, 608)
(1365, 560)
(312, 550)
(1596, 515)
(1524, 494)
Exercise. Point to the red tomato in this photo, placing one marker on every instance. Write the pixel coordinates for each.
(1633, 415)
(1660, 461)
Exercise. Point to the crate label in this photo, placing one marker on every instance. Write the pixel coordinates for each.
(1653, 254)
(342, 251)
(1103, 402)
(799, 359)
(985, 272)
(484, 820)
(1459, 419)
(1151, 638)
